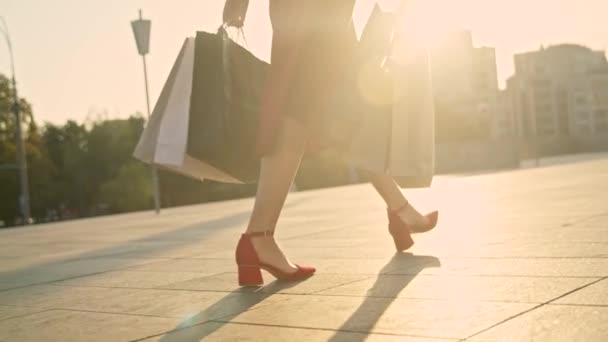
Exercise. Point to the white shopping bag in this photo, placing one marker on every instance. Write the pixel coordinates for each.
(412, 147)
(165, 137)
(399, 140)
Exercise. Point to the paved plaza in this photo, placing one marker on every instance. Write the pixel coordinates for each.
(517, 256)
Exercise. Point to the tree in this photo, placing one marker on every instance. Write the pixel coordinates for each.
(36, 158)
(67, 149)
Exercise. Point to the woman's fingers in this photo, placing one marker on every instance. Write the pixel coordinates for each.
(235, 12)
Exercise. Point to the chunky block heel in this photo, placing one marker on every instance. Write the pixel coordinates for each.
(250, 276)
(403, 240)
(249, 265)
(402, 232)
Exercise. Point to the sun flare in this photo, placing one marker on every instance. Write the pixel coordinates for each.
(428, 23)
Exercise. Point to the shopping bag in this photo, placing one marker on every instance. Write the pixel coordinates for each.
(226, 91)
(164, 139)
(396, 135)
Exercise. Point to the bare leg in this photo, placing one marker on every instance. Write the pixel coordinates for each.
(389, 190)
(395, 201)
(277, 173)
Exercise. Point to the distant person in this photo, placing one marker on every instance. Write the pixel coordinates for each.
(311, 40)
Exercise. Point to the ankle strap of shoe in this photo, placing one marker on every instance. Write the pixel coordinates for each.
(258, 234)
(400, 209)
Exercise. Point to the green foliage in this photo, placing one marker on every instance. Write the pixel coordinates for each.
(129, 190)
(78, 171)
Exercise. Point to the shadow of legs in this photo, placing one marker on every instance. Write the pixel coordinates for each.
(370, 311)
(232, 304)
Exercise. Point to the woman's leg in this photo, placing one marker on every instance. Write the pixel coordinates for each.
(278, 170)
(388, 190)
(394, 199)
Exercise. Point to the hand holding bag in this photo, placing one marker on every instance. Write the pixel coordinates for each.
(224, 107)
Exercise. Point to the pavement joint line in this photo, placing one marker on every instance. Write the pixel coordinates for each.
(570, 223)
(332, 330)
(520, 257)
(492, 275)
(535, 307)
(466, 275)
(68, 278)
(585, 305)
(166, 289)
(111, 313)
(340, 285)
(317, 232)
(447, 300)
(207, 321)
(25, 315)
(50, 282)
(430, 299)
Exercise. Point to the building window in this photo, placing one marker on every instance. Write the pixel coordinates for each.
(581, 100)
(583, 129)
(544, 120)
(546, 131)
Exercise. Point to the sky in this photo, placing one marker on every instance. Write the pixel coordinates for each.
(76, 59)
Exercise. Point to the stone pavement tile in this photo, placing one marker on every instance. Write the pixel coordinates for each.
(396, 262)
(304, 253)
(472, 288)
(351, 252)
(347, 237)
(190, 306)
(147, 250)
(134, 279)
(428, 318)
(360, 264)
(55, 297)
(596, 294)
(60, 270)
(539, 267)
(67, 326)
(6, 285)
(525, 249)
(257, 333)
(564, 249)
(552, 323)
(7, 311)
(228, 282)
(189, 265)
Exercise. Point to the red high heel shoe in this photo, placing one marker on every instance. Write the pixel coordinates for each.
(402, 232)
(250, 267)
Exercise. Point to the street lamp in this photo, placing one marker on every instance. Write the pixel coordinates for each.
(141, 30)
(24, 198)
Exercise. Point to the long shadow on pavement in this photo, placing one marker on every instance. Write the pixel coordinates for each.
(238, 302)
(233, 304)
(118, 254)
(370, 311)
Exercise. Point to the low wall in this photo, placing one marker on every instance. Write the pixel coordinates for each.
(475, 156)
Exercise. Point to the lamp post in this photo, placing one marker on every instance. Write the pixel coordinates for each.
(24, 197)
(141, 30)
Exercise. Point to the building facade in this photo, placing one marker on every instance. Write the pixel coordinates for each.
(465, 84)
(560, 92)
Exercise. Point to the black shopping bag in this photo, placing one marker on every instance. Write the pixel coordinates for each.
(226, 92)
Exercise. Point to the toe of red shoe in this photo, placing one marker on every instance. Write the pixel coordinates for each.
(433, 218)
(306, 269)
